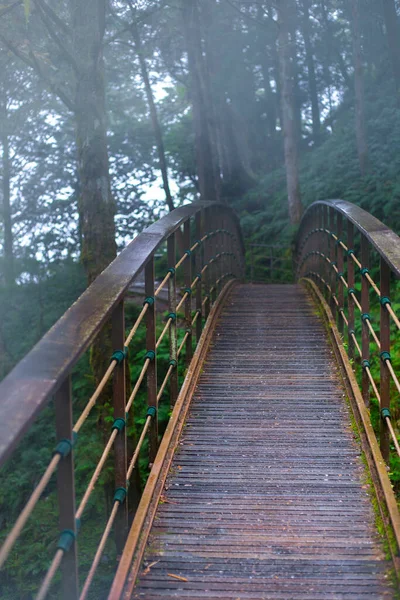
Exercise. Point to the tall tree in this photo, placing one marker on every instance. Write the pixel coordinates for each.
(74, 42)
(361, 132)
(208, 173)
(312, 80)
(291, 10)
(265, 60)
(8, 254)
(392, 32)
(288, 114)
(97, 206)
(153, 114)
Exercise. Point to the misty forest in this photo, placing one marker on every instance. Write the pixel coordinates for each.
(113, 114)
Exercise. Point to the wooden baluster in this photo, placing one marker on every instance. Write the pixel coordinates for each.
(332, 256)
(119, 403)
(350, 281)
(199, 264)
(152, 368)
(188, 302)
(207, 256)
(365, 310)
(326, 269)
(66, 491)
(173, 341)
(340, 266)
(384, 371)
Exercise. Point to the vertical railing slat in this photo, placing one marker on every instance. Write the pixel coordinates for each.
(325, 249)
(206, 258)
(152, 368)
(188, 302)
(385, 347)
(340, 266)
(199, 264)
(173, 343)
(332, 256)
(350, 281)
(66, 490)
(365, 310)
(119, 403)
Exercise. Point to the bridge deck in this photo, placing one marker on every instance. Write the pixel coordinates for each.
(267, 495)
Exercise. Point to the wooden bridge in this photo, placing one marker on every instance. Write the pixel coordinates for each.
(269, 480)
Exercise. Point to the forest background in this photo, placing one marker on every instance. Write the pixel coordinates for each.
(114, 112)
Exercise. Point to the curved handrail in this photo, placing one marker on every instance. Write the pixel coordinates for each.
(385, 241)
(30, 385)
(333, 254)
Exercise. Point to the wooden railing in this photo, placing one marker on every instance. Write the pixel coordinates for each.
(354, 260)
(211, 256)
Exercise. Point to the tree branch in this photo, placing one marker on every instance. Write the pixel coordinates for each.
(16, 51)
(67, 54)
(139, 20)
(9, 8)
(52, 86)
(54, 16)
(33, 62)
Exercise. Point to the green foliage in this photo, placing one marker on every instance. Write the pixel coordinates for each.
(331, 171)
(34, 306)
(21, 473)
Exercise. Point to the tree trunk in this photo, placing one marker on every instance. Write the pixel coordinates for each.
(204, 151)
(312, 81)
(291, 12)
(212, 87)
(154, 117)
(289, 124)
(361, 134)
(392, 32)
(332, 46)
(270, 101)
(96, 203)
(8, 254)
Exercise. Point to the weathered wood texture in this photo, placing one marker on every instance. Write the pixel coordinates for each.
(267, 495)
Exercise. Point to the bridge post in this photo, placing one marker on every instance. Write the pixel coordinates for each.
(326, 268)
(199, 263)
(66, 491)
(119, 404)
(365, 310)
(340, 265)
(152, 368)
(385, 347)
(207, 273)
(332, 256)
(350, 281)
(321, 241)
(316, 222)
(173, 341)
(214, 251)
(187, 269)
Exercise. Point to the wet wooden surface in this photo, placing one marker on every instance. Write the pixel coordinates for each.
(267, 496)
